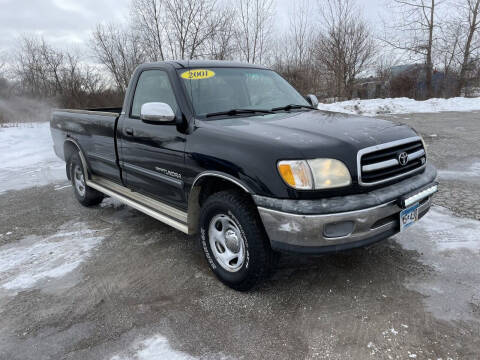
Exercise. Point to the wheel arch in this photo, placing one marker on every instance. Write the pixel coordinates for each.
(206, 184)
(69, 147)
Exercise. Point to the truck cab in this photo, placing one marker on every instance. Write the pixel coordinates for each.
(233, 154)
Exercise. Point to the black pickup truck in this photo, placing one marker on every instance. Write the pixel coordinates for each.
(233, 153)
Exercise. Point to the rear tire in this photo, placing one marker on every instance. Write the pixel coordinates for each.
(85, 195)
(234, 241)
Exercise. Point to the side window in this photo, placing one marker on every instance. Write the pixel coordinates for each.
(153, 86)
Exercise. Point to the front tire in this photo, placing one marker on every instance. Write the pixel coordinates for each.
(234, 242)
(85, 195)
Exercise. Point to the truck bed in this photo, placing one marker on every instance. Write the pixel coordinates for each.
(94, 131)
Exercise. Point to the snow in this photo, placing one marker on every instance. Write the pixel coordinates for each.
(60, 187)
(155, 347)
(26, 263)
(374, 107)
(27, 158)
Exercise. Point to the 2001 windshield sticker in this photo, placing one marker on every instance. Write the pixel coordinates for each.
(197, 74)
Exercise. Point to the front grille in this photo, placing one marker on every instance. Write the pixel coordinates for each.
(381, 163)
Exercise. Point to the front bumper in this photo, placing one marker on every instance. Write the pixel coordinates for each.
(301, 231)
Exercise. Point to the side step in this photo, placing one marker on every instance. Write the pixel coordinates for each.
(156, 209)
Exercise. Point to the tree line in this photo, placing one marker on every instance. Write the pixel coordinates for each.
(328, 48)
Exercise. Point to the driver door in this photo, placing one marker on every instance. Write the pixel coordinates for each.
(152, 154)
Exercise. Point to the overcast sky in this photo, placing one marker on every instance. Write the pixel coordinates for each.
(68, 23)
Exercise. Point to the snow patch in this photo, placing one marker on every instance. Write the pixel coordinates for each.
(61, 187)
(27, 158)
(34, 259)
(111, 202)
(156, 347)
(374, 107)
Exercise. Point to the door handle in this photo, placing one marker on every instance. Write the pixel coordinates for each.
(129, 131)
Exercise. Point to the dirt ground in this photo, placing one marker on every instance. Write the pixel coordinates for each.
(111, 283)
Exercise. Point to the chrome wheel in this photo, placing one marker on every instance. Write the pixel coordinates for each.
(79, 180)
(226, 242)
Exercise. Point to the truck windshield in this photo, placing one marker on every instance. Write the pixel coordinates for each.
(218, 90)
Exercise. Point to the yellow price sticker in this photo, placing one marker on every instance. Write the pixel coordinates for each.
(197, 74)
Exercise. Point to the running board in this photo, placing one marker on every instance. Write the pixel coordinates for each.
(156, 209)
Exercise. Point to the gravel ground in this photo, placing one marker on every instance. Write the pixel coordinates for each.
(453, 143)
(111, 283)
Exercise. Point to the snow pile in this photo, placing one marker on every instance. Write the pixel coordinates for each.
(27, 158)
(375, 107)
(26, 263)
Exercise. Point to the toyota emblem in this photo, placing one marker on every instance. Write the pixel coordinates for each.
(403, 158)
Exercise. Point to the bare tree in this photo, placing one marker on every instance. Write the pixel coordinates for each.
(471, 45)
(220, 45)
(254, 28)
(5, 84)
(293, 54)
(40, 68)
(301, 32)
(412, 29)
(183, 29)
(384, 64)
(119, 51)
(149, 19)
(345, 45)
(46, 73)
(448, 47)
(189, 24)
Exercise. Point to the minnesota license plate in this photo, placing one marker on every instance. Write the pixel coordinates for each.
(408, 217)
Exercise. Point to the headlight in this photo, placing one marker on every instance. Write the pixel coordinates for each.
(329, 173)
(314, 174)
(296, 173)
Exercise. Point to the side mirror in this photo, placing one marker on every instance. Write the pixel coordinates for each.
(157, 112)
(312, 100)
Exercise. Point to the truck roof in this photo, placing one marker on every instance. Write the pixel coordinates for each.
(179, 64)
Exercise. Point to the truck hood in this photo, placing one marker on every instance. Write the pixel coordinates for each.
(317, 133)
(249, 148)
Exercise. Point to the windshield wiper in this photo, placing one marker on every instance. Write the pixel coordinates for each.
(234, 112)
(293, 106)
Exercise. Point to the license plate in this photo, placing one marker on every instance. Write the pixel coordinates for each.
(408, 216)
